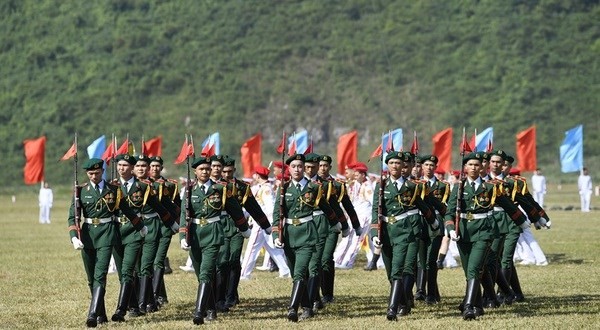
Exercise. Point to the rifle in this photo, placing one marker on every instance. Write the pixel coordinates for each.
(77, 196)
(188, 202)
(461, 185)
(382, 180)
(282, 191)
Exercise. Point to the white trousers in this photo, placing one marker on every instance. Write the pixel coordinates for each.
(257, 240)
(538, 196)
(528, 249)
(585, 200)
(44, 213)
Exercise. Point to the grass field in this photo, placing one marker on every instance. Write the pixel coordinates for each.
(43, 283)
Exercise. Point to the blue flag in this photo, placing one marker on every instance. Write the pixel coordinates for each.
(213, 142)
(396, 143)
(301, 141)
(485, 139)
(96, 149)
(571, 150)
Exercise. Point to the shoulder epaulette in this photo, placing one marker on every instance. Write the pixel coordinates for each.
(146, 181)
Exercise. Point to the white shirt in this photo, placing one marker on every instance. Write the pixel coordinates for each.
(538, 183)
(584, 183)
(46, 197)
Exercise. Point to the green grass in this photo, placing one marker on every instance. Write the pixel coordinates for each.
(43, 283)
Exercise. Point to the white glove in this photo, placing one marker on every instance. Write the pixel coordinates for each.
(526, 224)
(453, 236)
(144, 231)
(175, 227)
(338, 228)
(278, 244)
(435, 225)
(345, 232)
(269, 230)
(376, 242)
(358, 231)
(548, 224)
(184, 245)
(247, 233)
(77, 245)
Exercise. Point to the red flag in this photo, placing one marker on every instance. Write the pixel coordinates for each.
(70, 153)
(377, 152)
(292, 148)
(251, 154)
(464, 145)
(152, 147)
(390, 143)
(124, 148)
(208, 150)
(473, 143)
(33, 172)
(310, 148)
(415, 145)
(187, 149)
(347, 150)
(442, 148)
(526, 149)
(281, 146)
(109, 153)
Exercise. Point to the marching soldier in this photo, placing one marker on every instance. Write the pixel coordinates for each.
(473, 199)
(168, 194)
(295, 205)
(204, 234)
(240, 190)
(398, 199)
(98, 205)
(138, 196)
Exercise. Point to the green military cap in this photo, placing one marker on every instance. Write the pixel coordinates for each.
(484, 155)
(126, 157)
(217, 158)
(312, 157)
(142, 158)
(93, 163)
(396, 155)
(499, 153)
(410, 155)
(510, 159)
(326, 158)
(295, 157)
(201, 160)
(157, 159)
(472, 155)
(431, 158)
(228, 161)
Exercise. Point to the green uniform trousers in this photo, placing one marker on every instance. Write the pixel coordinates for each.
(126, 256)
(300, 261)
(331, 241)
(473, 256)
(316, 259)
(150, 246)
(399, 259)
(164, 242)
(428, 252)
(204, 261)
(95, 262)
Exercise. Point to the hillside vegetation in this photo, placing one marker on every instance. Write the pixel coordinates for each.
(160, 67)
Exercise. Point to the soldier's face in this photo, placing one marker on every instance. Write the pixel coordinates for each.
(310, 169)
(297, 170)
(406, 169)
(472, 168)
(324, 168)
(496, 164)
(155, 169)
(141, 170)
(215, 169)
(416, 170)
(360, 176)
(428, 168)
(95, 175)
(349, 173)
(124, 169)
(228, 172)
(506, 166)
(394, 166)
(203, 172)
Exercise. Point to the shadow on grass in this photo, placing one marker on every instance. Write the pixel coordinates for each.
(561, 258)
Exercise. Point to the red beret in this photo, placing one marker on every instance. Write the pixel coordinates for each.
(261, 170)
(515, 171)
(361, 167)
(350, 165)
(456, 173)
(438, 171)
(278, 163)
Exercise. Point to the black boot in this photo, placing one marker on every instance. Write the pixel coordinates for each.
(470, 298)
(158, 285)
(201, 300)
(101, 313)
(421, 282)
(273, 266)
(516, 285)
(221, 289)
(408, 301)
(146, 301)
(97, 297)
(168, 269)
(211, 304)
(312, 299)
(396, 291)
(433, 293)
(327, 284)
(478, 306)
(232, 287)
(297, 292)
(134, 310)
(373, 264)
(124, 295)
(440, 261)
(489, 294)
(504, 277)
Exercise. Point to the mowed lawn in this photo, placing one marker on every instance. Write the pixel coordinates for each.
(43, 283)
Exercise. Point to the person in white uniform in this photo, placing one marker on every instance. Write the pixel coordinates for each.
(584, 183)
(45, 199)
(538, 185)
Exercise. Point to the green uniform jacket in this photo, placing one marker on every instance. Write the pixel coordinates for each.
(297, 205)
(336, 193)
(105, 205)
(209, 205)
(481, 201)
(242, 192)
(436, 195)
(168, 195)
(141, 198)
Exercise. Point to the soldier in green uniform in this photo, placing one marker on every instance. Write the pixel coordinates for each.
(474, 199)
(336, 194)
(98, 205)
(436, 194)
(168, 193)
(398, 199)
(240, 190)
(295, 203)
(203, 235)
(138, 196)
